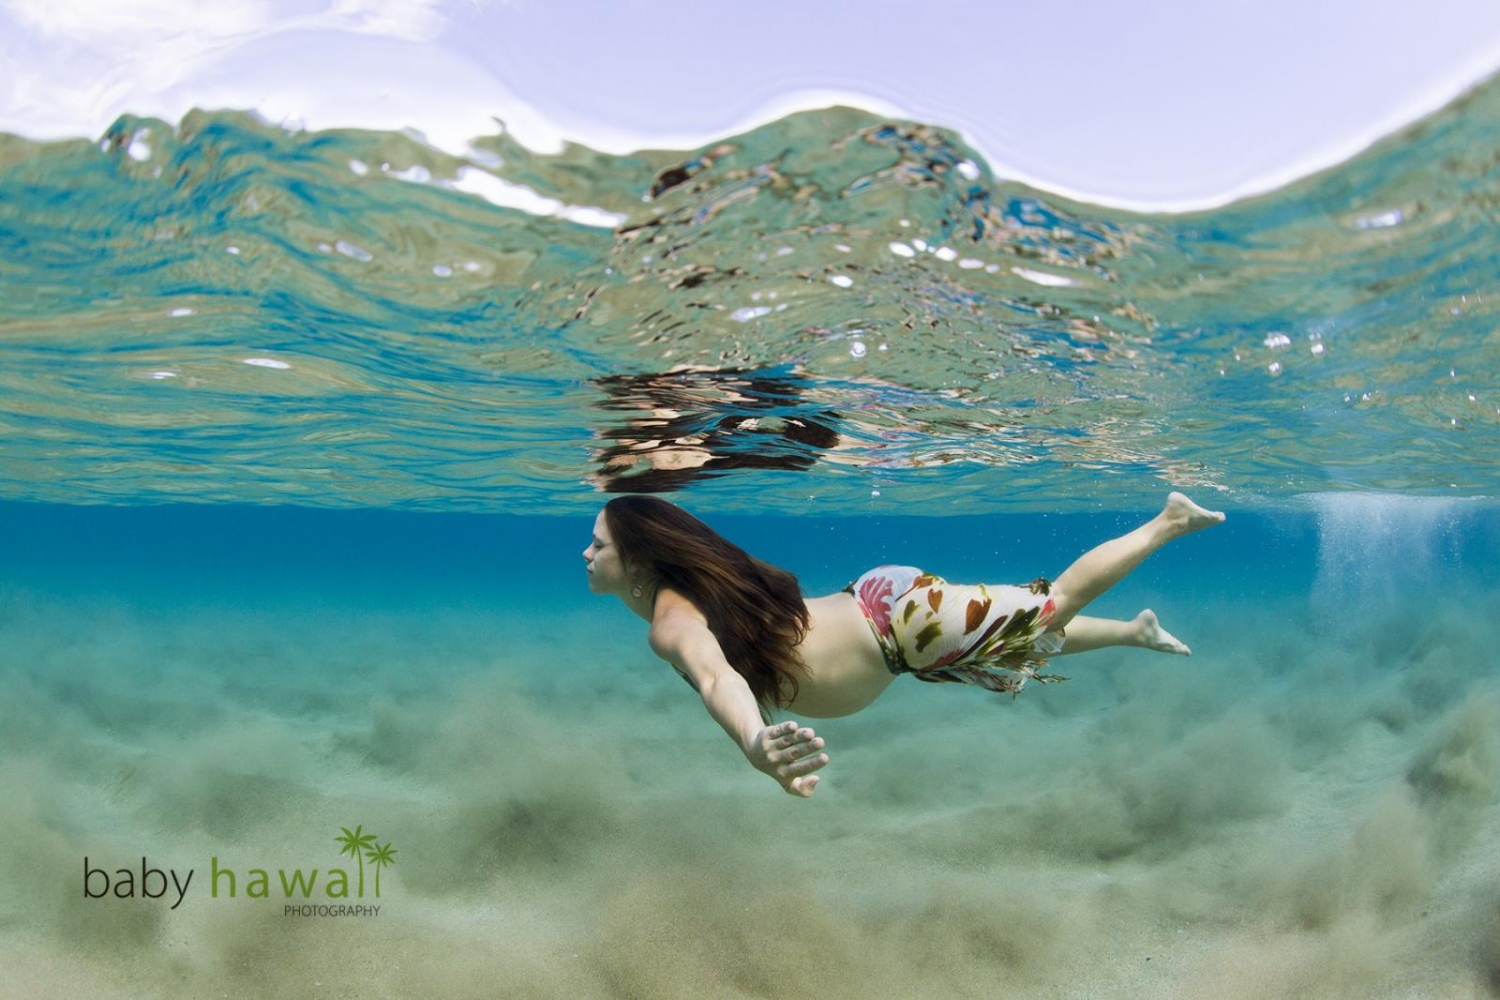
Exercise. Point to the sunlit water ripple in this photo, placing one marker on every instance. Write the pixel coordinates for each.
(833, 308)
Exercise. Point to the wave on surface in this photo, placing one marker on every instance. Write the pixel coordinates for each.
(833, 308)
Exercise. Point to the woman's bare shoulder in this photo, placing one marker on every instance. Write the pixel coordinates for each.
(674, 604)
(674, 618)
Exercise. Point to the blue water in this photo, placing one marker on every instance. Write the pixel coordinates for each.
(830, 309)
(301, 441)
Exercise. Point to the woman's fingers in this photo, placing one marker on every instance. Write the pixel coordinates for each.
(789, 735)
(803, 786)
(794, 753)
(803, 748)
(785, 735)
(802, 767)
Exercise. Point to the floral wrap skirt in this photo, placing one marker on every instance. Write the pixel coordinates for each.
(992, 637)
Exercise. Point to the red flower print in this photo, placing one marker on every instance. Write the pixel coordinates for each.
(975, 613)
(947, 658)
(876, 594)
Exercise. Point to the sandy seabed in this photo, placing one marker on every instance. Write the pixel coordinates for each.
(1305, 808)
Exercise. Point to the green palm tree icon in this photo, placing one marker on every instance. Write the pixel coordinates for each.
(354, 844)
(380, 857)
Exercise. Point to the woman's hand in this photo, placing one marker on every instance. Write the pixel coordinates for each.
(789, 753)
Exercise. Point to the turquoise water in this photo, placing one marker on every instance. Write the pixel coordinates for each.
(301, 441)
(227, 311)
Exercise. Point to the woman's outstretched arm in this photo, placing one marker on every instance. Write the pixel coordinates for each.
(786, 751)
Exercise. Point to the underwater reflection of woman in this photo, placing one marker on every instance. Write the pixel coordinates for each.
(692, 424)
(740, 632)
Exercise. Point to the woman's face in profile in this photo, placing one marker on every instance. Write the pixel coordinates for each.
(606, 569)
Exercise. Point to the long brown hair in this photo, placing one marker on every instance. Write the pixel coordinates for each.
(754, 609)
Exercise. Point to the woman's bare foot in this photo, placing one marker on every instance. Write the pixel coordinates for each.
(1152, 636)
(1187, 517)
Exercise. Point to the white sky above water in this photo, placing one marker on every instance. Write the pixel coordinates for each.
(1168, 105)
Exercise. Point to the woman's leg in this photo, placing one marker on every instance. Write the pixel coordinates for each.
(1101, 568)
(1143, 631)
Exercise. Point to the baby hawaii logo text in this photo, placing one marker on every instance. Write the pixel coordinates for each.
(308, 891)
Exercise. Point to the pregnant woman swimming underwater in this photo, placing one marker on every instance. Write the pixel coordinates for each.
(740, 632)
